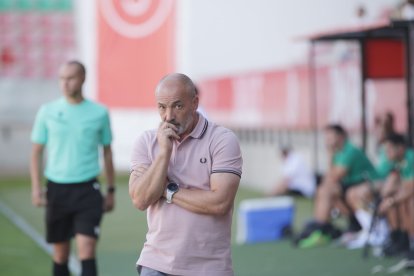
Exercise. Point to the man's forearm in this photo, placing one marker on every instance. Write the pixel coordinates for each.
(201, 202)
(147, 186)
(218, 200)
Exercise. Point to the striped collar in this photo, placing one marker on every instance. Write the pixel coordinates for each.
(200, 128)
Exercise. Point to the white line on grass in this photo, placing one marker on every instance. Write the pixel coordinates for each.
(26, 228)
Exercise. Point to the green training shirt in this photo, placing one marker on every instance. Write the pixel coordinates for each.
(357, 165)
(406, 166)
(384, 165)
(72, 134)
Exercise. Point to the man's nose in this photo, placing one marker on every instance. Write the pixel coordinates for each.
(169, 114)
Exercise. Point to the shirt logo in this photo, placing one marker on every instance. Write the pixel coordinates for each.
(203, 160)
(96, 186)
(97, 230)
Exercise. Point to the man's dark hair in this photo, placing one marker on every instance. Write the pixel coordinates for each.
(396, 139)
(79, 64)
(338, 129)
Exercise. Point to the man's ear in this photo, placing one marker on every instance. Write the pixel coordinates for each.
(195, 102)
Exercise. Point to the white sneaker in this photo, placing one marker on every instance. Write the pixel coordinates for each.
(359, 242)
(347, 237)
(379, 234)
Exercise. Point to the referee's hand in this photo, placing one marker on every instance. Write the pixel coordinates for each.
(109, 202)
(38, 198)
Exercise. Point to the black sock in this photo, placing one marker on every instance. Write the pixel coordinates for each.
(326, 227)
(60, 269)
(412, 243)
(353, 224)
(395, 235)
(404, 237)
(89, 267)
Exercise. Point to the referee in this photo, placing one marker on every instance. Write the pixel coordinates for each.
(72, 129)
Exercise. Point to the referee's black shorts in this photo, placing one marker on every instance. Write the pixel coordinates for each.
(73, 208)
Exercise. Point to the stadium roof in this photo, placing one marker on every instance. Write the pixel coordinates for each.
(378, 29)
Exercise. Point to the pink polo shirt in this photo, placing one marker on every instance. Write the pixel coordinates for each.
(180, 242)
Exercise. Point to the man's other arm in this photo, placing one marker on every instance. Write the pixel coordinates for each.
(217, 201)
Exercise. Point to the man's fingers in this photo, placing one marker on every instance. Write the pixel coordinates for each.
(166, 125)
(173, 134)
(172, 126)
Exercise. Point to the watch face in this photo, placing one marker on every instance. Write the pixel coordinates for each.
(173, 187)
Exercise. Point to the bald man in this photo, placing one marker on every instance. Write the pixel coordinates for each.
(185, 174)
(73, 129)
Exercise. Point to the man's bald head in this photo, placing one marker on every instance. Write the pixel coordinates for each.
(177, 79)
(80, 67)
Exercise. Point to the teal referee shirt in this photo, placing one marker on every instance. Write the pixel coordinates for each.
(72, 134)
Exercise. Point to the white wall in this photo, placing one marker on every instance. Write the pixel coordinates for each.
(226, 37)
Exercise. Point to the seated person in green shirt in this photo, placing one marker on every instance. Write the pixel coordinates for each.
(344, 186)
(383, 127)
(397, 195)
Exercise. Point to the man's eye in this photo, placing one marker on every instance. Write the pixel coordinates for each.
(161, 107)
(179, 106)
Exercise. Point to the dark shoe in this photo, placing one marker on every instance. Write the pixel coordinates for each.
(410, 260)
(330, 230)
(407, 263)
(397, 244)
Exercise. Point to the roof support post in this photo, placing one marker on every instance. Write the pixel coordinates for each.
(364, 126)
(409, 75)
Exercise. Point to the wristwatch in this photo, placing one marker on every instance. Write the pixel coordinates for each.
(172, 188)
(111, 190)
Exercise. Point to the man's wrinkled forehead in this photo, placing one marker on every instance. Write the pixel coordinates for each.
(173, 91)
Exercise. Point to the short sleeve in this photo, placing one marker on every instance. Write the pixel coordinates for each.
(140, 153)
(106, 134)
(384, 167)
(343, 159)
(226, 154)
(39, 131)
(407, 172)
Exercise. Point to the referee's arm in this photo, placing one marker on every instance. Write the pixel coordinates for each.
(110, 177)
(36, 168)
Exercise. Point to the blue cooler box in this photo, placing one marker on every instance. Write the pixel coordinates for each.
(262, 220)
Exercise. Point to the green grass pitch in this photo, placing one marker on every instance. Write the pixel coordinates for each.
(123, 233)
